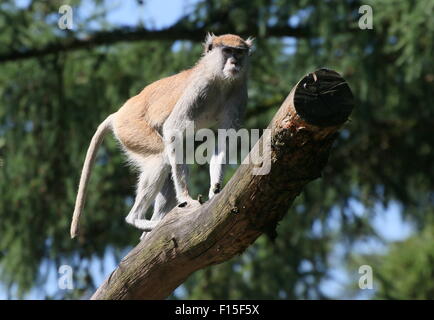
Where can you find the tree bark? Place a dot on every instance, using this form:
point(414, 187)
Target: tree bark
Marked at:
point(189, 239)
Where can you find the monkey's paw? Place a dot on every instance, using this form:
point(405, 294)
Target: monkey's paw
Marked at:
point(214, 190)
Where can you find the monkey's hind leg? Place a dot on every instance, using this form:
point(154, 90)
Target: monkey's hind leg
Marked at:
point(153, 174)
point(164, 202)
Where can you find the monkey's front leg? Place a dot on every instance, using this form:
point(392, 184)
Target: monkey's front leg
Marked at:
point(218, 159)
point(216, 167)
point(179, 170)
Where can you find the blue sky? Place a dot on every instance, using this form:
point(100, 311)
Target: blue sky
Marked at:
point(158, 14)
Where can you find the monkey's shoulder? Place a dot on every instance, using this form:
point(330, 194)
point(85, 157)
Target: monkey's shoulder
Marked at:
point(177, 82)
point(155, 102)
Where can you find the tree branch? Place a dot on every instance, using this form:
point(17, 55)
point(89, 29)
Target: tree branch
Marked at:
point(128, 34)
point(186, 240)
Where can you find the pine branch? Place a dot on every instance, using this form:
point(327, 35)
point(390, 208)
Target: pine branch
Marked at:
point(128, 34)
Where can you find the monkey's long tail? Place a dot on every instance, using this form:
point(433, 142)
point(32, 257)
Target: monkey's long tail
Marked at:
point(97, 138)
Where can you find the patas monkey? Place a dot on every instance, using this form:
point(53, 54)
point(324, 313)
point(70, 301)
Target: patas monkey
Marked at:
point(211, 94)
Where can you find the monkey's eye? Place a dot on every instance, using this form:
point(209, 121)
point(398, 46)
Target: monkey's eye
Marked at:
point(227, 51)
point(210, 47)
point(239, 52)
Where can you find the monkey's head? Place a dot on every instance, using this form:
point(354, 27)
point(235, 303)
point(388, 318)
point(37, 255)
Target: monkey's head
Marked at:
point(230, 54)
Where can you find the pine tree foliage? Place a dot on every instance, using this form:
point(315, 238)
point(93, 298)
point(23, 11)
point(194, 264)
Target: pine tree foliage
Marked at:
point(51, 104)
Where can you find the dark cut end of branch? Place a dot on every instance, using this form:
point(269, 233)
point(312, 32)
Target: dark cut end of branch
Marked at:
point(189, 239)
point(323, 98)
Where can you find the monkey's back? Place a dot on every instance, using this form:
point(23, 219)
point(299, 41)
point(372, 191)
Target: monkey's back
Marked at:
point(138, 122)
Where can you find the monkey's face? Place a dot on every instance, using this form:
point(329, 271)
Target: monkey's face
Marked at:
point(227, 55)
point(234, 61)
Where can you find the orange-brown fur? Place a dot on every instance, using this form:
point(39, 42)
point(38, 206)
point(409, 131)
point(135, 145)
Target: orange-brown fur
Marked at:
point(137, 122)
point(230, 40)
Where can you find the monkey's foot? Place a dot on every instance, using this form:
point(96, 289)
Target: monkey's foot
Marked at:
point(214, 190)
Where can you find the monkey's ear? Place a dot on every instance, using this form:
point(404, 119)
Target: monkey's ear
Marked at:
point(208, 42)
point(249, 42)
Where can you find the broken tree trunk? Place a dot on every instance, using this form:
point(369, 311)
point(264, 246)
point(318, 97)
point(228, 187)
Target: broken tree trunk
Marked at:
point(189, 239)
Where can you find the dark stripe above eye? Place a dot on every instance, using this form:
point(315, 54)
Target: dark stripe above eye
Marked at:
point(233, 50)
